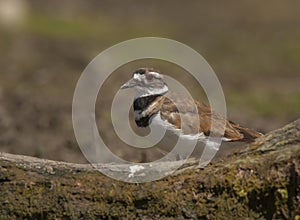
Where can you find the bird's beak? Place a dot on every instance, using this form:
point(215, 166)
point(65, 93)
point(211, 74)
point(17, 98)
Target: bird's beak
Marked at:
point(131, 83)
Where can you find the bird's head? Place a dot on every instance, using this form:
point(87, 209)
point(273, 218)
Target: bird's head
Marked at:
point(147, 81)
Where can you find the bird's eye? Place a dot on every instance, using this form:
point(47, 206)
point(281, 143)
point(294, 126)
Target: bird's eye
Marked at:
point(149, 77)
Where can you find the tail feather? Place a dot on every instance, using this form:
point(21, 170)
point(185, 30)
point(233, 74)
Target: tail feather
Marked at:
point(235, 132)
point(248, 134)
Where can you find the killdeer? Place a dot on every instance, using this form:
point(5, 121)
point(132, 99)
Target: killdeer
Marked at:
point(154, 103)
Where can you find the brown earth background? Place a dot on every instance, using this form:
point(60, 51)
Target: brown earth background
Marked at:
point(254, 48)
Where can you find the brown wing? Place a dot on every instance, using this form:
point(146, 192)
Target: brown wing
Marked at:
point(181, 113)
point(174, 109)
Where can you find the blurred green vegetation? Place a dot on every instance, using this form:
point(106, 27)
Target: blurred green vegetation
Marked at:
point(268, 105)
point(51, 26)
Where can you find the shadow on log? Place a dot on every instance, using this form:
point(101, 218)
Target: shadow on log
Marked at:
point(261, 182)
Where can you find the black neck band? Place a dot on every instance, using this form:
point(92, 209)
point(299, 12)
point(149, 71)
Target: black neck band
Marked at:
point(142, 103)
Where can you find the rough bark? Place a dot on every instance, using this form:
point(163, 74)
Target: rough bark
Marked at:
point(261, 182)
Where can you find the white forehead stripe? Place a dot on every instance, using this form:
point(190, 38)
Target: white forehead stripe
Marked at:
point(155, 74)
point(138, 77)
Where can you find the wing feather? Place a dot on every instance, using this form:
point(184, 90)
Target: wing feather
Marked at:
point(198, 117)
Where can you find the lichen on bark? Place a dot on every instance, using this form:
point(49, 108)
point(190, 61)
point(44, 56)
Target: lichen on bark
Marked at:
point(261, 182)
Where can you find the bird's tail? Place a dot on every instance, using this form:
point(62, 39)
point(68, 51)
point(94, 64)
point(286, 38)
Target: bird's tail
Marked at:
point(249, 135)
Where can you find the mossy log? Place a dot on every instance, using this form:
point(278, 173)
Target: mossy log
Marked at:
point(261, 182)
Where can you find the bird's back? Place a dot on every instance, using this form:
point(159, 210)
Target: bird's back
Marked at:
point(194, 117)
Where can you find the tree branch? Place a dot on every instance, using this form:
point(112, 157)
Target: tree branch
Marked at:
point(260, 182)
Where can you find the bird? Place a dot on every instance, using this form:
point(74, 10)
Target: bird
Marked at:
point(155, 104)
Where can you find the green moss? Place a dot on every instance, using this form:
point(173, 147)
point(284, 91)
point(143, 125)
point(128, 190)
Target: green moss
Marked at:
point(282, 196)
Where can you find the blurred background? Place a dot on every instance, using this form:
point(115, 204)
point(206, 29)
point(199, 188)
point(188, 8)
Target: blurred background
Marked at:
point(253, 46)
